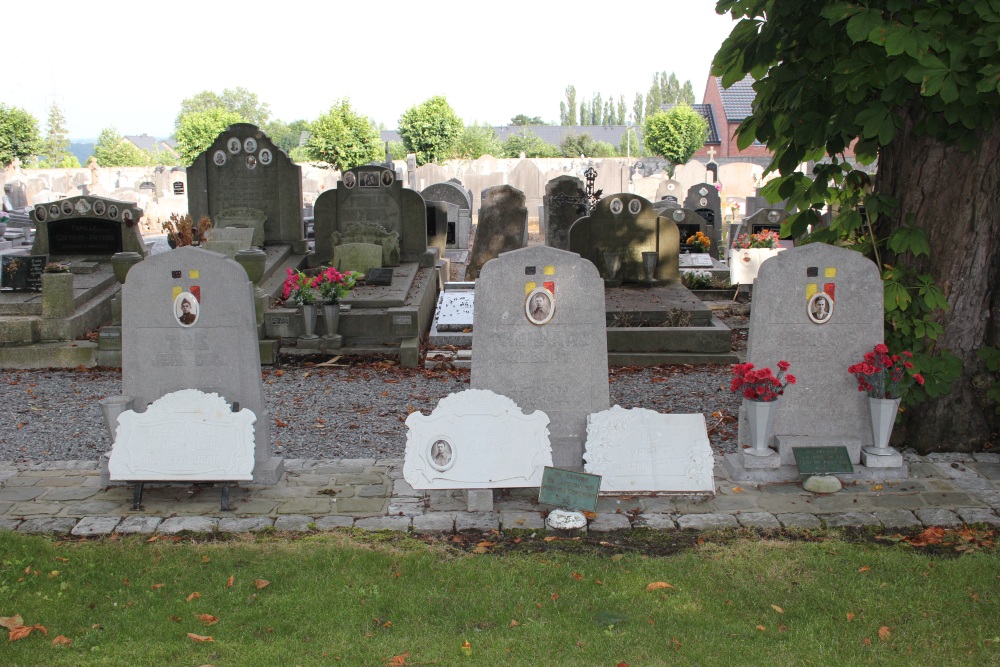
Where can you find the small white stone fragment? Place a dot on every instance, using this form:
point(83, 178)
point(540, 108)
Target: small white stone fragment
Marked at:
point(566, 520)
point(822, 484)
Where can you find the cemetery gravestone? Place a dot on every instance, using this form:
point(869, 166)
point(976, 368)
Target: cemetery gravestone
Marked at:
point(502, 227)
point(704, 200)
point(669, 190)
point(540, 340)
point(188, 322)
point(244, 169)
point(825, 407)
point(454, 193)
point(87, 225)
point(765, 219)
point(565, 202)
point(626, 226)
point(370, 201)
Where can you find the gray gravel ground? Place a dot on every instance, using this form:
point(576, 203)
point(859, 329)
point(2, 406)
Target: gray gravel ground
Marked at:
point(354, 411)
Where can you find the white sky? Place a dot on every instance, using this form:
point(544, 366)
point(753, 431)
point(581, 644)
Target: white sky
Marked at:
point(129, 64)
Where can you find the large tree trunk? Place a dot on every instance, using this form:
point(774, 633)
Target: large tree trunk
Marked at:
point(955, 197)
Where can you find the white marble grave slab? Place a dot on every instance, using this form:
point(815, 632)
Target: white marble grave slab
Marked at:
point(643, 450)
point(186, 435)
point(454, 310)
point(476, 439)
point(745, 263)
point(695, 260)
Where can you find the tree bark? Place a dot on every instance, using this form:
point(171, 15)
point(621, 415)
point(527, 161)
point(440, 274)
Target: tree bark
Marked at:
point(954, 196)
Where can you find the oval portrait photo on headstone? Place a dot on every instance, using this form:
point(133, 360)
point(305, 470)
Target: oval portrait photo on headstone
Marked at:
point(820, 308)
point(539, 306)
point(265, 156)
point(186, 309)
point(234, 145)
point(441, 455)
point(616, 206)
point(220, 157)
point(41, 214)
point(349, 179)
point(250, 145)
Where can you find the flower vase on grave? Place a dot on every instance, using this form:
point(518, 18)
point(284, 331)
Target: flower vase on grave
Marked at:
point(760, 419)
point(649, 261)
point(331, 318)
point(883, 415)
point(309, 320)
point(612, 265)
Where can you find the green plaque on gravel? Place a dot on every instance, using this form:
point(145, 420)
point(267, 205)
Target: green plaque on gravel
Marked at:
point(822, 460)
point(569, 490)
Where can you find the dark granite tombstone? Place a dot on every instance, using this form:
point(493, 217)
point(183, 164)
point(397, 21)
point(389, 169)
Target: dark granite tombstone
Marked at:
point(766, 218)
point(371, 197)
point(87, 225)
point(704, 200)
point(244, 169)
point(503, 226)
point(565, 202)
point(625, 226)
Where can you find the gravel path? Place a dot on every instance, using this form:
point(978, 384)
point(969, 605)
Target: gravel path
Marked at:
point(353, 411)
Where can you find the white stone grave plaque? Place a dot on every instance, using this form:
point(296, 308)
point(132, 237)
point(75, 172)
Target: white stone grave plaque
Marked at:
point(186, 435)
point(454, 310)
point(691, 260)
point(745, 263)
point(476, 439)
point(643, 450)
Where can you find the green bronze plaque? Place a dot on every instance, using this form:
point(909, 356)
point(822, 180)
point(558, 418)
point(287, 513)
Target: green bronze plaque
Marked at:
point(822, 460)
point(569, 490)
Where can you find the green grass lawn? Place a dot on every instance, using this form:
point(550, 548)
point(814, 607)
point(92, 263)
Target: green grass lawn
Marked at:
point(378, 599)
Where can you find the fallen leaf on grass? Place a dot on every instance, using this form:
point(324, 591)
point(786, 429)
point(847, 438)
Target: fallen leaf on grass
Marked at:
point(466, 648)
point(782, 628)
point(850, 616)
point(229, 582)
point(864, 569)
point(62, 560)
point(777, 609)
point(157, 586)
point(22, 631)
point(657, 585)
point(577, 576)
point(199, 638)
point(208, 619)
point(62, 641)
point(193, 596)
point(866, 641)
point(261, 583)
point(883, 633)
point(513, 623)
point(398, 660)
point(762, 628)
point(11, 622)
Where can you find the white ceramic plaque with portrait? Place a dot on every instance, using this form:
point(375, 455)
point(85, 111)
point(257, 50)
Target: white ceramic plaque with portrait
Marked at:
point(476, 439)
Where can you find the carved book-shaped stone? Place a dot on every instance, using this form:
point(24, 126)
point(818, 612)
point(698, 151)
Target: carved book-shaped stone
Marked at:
point(476, 439)
point(186, 435)
point(643, 450)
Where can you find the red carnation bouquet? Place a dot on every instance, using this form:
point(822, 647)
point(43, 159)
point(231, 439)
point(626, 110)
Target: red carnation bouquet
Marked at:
point(761, 384)
point(884, 375)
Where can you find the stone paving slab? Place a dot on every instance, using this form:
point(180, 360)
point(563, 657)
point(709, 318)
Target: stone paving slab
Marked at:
point(897, 519)
point(297, 522)
point(851, 519)
point(938, 517)
point(655, 522)
point(973, 515)
point(43, 526)
point(9, 524)
point(712, 521)
point(400, 523)
point(606, 523)
point(141, 525)
point(90, 526)
point(763, 520)
point(245, 525)
point(478, 521)
point(436, 522)
point(798, 520)
point(519, 520)
point(190, 524)
point(334, 521)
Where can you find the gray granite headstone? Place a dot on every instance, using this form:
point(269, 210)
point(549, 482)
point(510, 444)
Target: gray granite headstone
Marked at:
point(357, 257)
point(628, 225)
point(688, 224)
point(553, 358)
point(86, 225)
point(243, 168)
point(704, 200)
point(565, 202)
point(765, 218)
point(502, 227)
point(371, 195)
point(825, 406)
point(212, 348)
point(454, 193)
point(671, 191)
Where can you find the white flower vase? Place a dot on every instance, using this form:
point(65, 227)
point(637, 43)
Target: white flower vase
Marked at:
point(760, 418)
point(883, 415)
point(309, 320)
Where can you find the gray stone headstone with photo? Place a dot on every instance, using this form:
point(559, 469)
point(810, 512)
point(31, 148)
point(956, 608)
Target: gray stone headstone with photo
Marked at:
point(765, 218)
point(671, 191)
point(244, 169)
point(825, 407)
point(565, 202)
point(188, 322)
point(627, 226)
point(86, 225)
point(540, 340)
point(502, 227)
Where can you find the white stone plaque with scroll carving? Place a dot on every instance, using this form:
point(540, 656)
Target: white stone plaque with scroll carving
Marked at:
point(642, 450)
point(476, 439)
point(186, 435)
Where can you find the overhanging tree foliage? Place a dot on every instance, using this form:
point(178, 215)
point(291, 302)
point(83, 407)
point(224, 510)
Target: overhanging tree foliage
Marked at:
point(238, 100)
point(430, 130)
point(917, 86)
point(343, 138)
point(199, 129)
point(19, 136)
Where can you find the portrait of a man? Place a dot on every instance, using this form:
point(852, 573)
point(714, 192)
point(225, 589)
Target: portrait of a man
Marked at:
point(186, 309)
point(349, 179)
point(820, 308)
point(539, 306)
point(441, 454)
